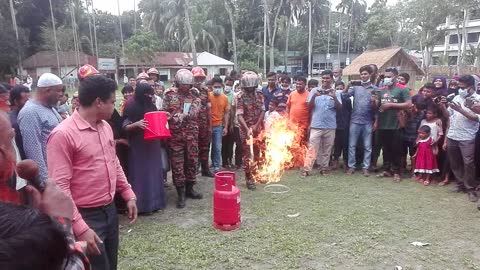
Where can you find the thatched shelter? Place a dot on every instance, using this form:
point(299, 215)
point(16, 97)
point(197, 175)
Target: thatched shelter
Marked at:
point(384, 58)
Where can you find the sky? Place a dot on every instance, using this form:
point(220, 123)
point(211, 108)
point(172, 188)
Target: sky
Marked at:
point(111, 5)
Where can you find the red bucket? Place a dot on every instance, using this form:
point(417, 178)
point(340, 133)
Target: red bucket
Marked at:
point(157, 126)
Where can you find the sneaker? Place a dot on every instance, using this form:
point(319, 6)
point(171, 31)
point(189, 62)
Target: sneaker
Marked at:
point(303, 174)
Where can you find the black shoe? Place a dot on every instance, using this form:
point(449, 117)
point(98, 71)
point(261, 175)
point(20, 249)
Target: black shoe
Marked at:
point(251, 186)
point(206, 171)
point(191, 193)
point(181, 197)
point(472, 196)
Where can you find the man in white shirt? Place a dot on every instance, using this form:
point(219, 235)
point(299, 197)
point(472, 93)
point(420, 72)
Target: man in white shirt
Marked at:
point(460, 143)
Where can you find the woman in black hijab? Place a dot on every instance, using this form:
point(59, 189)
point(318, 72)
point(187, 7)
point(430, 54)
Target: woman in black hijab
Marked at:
point(145, 159)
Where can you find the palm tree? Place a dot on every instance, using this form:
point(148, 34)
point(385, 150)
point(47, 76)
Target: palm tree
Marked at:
point(272, 31)
point(230, 7)
point(292, 12)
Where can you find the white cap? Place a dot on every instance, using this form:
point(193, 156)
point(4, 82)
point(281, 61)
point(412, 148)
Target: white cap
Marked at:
point(49, 79)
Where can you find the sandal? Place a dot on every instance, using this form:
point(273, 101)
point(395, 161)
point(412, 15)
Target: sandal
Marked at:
point(397, 178)
point(324, 173)
point(426, 182)
point(303, 174)
point(384, 174)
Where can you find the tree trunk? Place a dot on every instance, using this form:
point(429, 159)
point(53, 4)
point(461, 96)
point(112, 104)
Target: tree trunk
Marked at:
point(272, 38)
point(190, 33)
point(349, 32)
point(234, 39)
point(286, 40)
point(340, 35)
point(465, 34)
point(459, 49)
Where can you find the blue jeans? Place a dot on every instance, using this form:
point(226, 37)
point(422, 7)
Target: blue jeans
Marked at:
point(217, 134)
point(357, 131)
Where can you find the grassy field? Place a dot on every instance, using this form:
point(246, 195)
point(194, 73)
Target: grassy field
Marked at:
point(344, 222)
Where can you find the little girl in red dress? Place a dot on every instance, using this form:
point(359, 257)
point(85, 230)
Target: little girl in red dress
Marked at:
point(426, 160)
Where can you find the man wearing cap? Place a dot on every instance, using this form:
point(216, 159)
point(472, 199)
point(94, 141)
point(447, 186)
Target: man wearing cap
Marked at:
point(38, 118)
point(204, 121)
point(183, 105)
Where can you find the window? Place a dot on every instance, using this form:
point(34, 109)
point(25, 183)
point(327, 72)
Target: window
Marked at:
point(454, 39)
point(435, 60)
point(473, 37)
point(223, 72)
point(452, 60)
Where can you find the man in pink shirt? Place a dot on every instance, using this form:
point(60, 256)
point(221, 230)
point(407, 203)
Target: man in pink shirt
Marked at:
point(81, 160)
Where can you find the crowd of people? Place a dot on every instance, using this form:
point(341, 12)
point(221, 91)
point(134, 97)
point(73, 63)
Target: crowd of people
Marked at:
point(95, 155)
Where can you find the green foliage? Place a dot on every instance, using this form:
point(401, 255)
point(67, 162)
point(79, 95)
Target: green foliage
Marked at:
point(142, 46)
point(380, 26)
point(249, 65)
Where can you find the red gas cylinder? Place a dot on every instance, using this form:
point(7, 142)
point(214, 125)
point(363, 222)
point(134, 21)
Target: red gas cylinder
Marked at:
point(157, 126)
point(226, 202)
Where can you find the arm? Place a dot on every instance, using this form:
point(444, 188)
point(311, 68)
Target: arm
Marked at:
point(226, 118)
point(467, 113)
point(311, 99)
point(60, 154)
point(337, 100)
point(31, 131)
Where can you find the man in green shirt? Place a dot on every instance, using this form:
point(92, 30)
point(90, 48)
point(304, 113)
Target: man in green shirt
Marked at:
point(391, 99)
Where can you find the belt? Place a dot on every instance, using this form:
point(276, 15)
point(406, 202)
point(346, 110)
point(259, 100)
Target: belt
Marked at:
point(91, 209)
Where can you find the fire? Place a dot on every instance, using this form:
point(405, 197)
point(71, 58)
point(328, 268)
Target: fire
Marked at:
point(281, 147)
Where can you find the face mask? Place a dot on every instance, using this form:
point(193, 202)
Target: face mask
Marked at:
point(388, 81)
point(285, 88)
point(217, 91)
point(366, 82)
point(227, 89)
point(462, 92)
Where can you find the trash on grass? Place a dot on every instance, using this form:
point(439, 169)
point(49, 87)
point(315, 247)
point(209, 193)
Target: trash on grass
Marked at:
point(420, 244)
point(129, 231)
point(294, 215)
point(398, 267)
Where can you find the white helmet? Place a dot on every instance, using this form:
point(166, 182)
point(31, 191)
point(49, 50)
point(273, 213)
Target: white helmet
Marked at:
point(249, 79)
point(184, 76)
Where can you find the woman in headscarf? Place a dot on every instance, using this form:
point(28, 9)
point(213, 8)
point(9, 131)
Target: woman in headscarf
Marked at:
point(145, 159)
point(441, 89)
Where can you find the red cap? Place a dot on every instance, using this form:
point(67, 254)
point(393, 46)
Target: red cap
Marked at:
point(198, 72)
point(86, 70)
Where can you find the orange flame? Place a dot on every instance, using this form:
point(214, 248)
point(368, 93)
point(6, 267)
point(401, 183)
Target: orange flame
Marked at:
point(283, 148)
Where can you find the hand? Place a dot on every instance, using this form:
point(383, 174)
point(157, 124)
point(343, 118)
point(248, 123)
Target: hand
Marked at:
point(225, 131)
point(92, 239)
point(455, 106)
point(444, 147)
point(142, 124)
point(132, 210)
point(375, 125)
point(250, 132)
point(385, 106)
point(231, 129)
point(53, 201)
point(332, 94)
point(122, 141)
point(169, 115)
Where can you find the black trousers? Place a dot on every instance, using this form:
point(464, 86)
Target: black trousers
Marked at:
point(227, 148)
point(238, 147)
point(408, 148)
point(376, 148)
point(104, 222)
point(340, 147)
point(390, 141)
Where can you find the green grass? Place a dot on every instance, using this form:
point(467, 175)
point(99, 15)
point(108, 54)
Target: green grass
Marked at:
point(344, 223)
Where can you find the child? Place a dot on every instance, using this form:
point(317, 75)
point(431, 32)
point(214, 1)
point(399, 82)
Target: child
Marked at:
point(425, 158)
point(341, 133)
point(434, 122)
point(312, 83)
point(409, 121)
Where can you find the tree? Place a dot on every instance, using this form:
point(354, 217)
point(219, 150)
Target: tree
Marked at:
point(272, 13)
point(379, 30)
point(230, 7)
point(142, 46)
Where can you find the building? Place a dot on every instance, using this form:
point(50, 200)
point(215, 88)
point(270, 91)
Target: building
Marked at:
point(325, 61)
point(46, 61)
point(384, 58)
point(294, 63)
point(168, 63)
point(213, 65)
point(452, 40)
